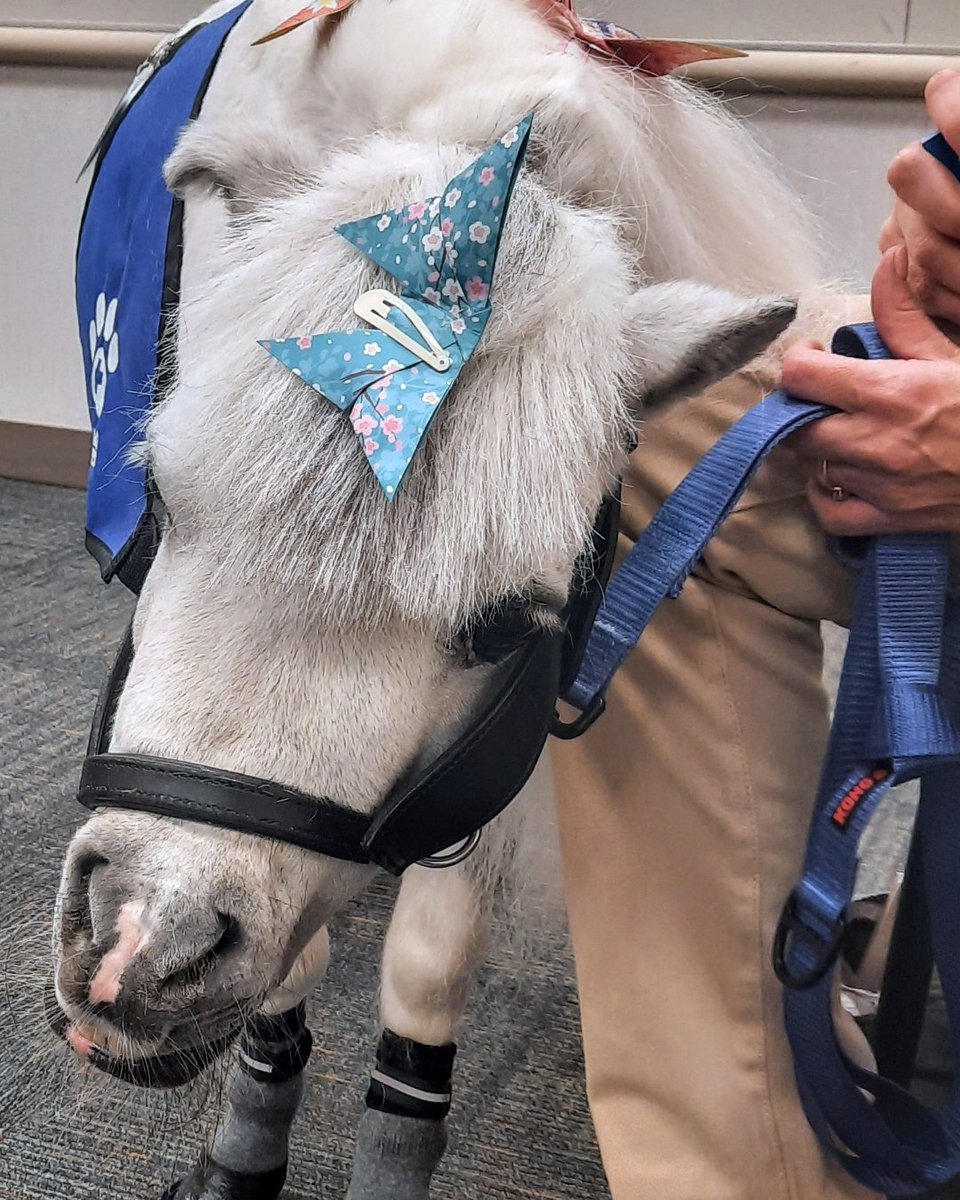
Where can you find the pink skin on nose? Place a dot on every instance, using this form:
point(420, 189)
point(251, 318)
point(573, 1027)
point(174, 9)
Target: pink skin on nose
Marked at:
point(105, 985)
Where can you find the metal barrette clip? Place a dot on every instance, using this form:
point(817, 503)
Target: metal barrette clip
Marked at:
point(375, 306)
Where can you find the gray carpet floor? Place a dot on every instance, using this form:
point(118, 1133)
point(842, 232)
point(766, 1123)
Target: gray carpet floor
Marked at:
point(520, 1124)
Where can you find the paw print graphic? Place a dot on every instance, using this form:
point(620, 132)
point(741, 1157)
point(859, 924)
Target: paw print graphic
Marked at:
point(104, 358)
point(104, 349)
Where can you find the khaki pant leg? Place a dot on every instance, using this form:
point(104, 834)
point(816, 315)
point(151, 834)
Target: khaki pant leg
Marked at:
point(683, 815)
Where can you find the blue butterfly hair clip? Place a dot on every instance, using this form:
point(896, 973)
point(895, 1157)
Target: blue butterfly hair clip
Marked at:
point(392, 375)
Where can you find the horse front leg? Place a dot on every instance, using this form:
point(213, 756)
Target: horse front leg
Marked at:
point(247, 1156)
point(435, 943)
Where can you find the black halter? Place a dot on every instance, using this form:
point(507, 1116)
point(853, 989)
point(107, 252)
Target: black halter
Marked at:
point(442, 805)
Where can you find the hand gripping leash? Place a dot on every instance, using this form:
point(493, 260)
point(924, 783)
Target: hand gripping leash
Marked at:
point(897, 719)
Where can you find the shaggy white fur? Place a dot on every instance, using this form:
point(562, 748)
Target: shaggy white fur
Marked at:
point(295, 624)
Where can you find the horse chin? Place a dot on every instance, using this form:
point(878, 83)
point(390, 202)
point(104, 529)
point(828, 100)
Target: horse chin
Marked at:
point(149, 1068)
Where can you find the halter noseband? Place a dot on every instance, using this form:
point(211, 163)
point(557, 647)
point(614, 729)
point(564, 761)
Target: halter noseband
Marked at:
point(442, 805)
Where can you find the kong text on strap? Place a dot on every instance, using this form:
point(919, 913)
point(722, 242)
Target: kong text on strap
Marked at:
point(897, 719)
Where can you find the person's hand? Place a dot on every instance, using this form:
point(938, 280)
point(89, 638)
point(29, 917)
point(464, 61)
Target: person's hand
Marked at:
point(926, 215)
point(894, 450)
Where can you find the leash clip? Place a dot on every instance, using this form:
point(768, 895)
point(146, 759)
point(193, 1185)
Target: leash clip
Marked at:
point(567, 731)
point(826, 948)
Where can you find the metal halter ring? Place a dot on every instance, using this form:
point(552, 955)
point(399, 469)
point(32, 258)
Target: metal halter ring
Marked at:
point(837, 493)
point(455, 855)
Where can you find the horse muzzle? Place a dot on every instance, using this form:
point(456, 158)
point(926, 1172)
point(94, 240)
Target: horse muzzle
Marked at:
point(158, 1069)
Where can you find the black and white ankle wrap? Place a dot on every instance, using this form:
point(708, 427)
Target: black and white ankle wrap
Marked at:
point(274, 1049)
point(411, 1079)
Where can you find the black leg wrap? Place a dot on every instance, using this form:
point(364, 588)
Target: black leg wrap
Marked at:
point(247, 1159)
point(209, 1181)
point(274, 1049)
point(411, 1079)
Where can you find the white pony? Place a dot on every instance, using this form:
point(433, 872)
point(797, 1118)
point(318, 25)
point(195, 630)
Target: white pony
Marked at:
point(295, 625)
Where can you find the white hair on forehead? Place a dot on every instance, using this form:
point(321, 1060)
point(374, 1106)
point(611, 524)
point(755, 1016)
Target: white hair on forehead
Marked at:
point(706, 203)
point(626, 182)
point(502, 493)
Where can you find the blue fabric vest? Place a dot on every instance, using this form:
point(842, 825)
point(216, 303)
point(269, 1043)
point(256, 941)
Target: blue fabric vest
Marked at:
point(128, 287)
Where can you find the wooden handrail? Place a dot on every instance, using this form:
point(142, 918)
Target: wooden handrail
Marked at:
point(794, 72)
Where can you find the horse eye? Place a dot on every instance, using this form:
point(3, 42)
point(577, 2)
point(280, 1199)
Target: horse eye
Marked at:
point(496, 631)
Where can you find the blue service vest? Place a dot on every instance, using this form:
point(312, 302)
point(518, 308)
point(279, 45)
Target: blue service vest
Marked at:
point(128, 289)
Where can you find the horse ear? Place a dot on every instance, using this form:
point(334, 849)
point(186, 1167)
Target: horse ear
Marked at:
point(245, 162)
point(686, 336)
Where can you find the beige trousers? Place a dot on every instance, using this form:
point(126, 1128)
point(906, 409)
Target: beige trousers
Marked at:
point(683, 816)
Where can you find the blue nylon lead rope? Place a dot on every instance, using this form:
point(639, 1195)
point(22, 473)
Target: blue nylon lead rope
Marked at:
point(668, 549)
point(897, 718)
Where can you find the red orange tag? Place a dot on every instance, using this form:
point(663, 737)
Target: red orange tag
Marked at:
point(650, 56)
point(320, 8)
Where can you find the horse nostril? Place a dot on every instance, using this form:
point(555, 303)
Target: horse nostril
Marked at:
point(192, 970)
point(77, 912)
point(230, 935)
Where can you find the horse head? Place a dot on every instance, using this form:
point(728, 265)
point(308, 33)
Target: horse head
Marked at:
point(297, 624)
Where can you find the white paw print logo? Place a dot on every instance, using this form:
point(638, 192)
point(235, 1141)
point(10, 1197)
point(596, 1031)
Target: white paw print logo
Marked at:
point(104, 349)
point(104, 356)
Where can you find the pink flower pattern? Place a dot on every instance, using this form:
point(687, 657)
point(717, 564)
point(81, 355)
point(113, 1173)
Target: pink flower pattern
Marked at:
point(477, 290)
point(364, 424)
point(441, 251)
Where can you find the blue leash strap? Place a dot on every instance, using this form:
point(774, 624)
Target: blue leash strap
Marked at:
point(897, 718)
point(668, 549)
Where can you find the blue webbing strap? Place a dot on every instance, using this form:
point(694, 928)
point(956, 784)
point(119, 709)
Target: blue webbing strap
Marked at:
point(897, 718)
point(668, 549)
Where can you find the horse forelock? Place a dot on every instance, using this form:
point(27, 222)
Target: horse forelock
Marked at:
point(501, 496)
point(624, 182)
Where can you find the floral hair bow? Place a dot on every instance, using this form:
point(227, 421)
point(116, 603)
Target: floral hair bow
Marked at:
point(393, 375)
point(650, 56)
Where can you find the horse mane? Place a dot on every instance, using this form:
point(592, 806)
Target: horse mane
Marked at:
point(629, 181)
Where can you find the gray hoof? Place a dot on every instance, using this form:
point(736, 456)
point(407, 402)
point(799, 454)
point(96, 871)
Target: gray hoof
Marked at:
point(209, 1181)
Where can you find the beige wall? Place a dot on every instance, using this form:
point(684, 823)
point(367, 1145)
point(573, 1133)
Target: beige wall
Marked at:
point(896, 22)
point(835, 151)
point(880, 22)
point(104, 14)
